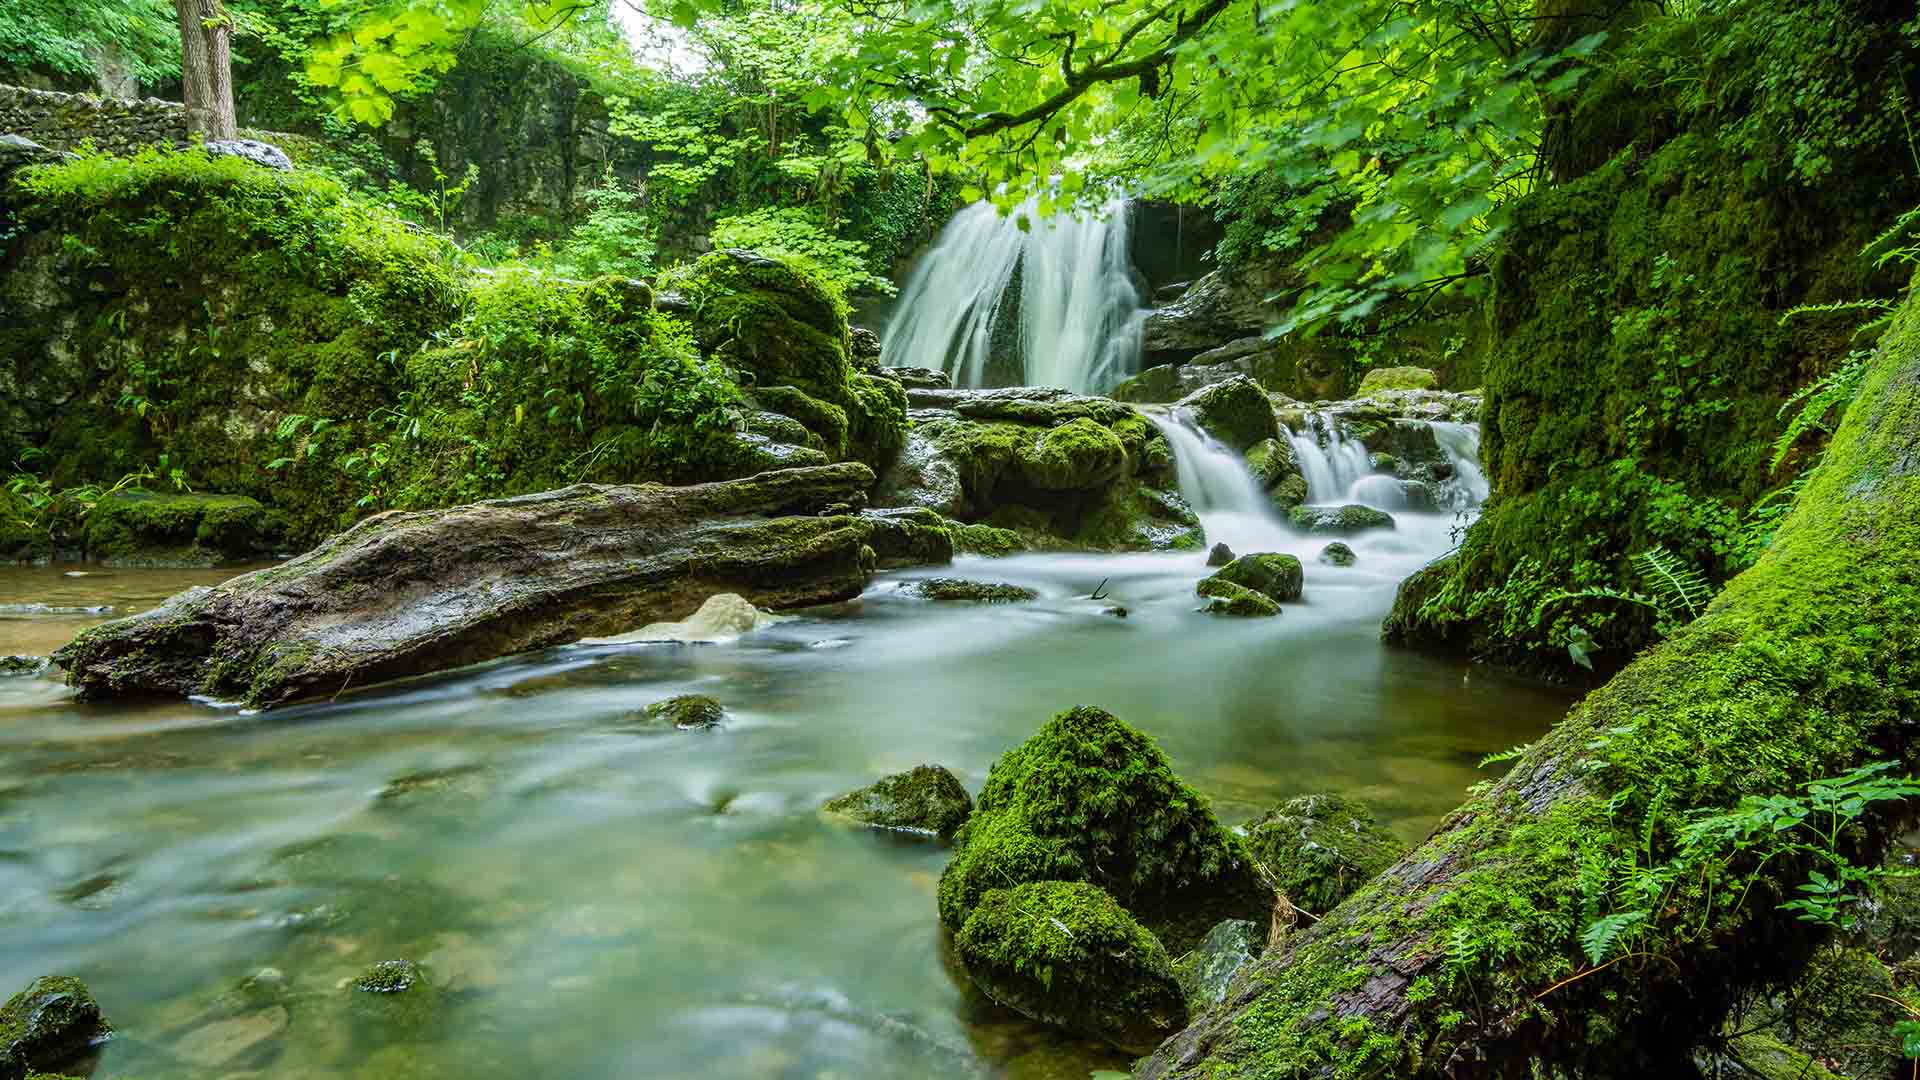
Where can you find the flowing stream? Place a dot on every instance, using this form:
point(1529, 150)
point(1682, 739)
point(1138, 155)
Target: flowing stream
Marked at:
point(597, 902)
point(1053, 300)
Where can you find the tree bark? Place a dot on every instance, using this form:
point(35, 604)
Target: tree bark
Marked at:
point(206, 68)
point(1465, 958)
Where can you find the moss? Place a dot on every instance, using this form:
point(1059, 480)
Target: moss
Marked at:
point(1134, 517)
point(1226, 598)
point(827, 421)
point(985, 540)
point(688, 712)
point(1320, 848)
point(926, 799)
point(137, 528)
point(48, 1024)
point(1339, 520)
point(1275, 468)
point(1075, 456)
point(1396, 378)
point(1237, 412)
point(1277, 577)
point(1338, 554)
point(1089, 798)
point(961, 589)
point(396, 1000)
point(1066, 954)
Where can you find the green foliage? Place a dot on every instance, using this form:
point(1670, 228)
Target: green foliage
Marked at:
point(617, 237)
point(796, 233)
point(63, 37)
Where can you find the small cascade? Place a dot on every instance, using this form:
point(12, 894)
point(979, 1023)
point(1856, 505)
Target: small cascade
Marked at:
point(1334, 465)
point(1216, 484)
point(1055, 295)
point(1461, 443)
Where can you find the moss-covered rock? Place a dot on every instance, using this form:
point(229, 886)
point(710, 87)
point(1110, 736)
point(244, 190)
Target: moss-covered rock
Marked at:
point(1338, 554)
point(1339, 520)
point(988, 592)
point(47, 1025)
point(1219, 555)
point(1088, 798)
point(1319, 848)
point(688, 712)
point(1075, 456)
point(1277, 577)
point(1206, 971)
point(926, 800)
point(396, 1000)
point(1276, 469)
point(1226, 598)
point(985, 540)
point(1064, 953)
point(1237, 412)
point(141, 529)
point(1396, 378)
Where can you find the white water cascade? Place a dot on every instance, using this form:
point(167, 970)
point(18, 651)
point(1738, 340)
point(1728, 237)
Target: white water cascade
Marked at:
point(1080, 309)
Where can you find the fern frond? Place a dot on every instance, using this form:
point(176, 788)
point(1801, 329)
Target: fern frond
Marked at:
point(1676, 585)
point(1512, 753)
point(1838, 305)
point(1816, 400)
point(1604, 933)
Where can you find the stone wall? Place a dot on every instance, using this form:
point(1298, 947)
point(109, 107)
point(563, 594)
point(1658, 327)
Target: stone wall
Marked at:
point(64, 121)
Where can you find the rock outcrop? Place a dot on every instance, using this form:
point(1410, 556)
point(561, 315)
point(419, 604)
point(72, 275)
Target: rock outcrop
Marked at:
point(406, 593)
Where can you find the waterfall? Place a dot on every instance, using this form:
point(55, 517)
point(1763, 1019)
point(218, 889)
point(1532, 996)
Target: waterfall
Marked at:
point(1461, 444)
point(1215, 482)
point(1079, 310)
point(1333, 464)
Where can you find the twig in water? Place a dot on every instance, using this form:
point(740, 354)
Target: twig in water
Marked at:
point(1099, 591)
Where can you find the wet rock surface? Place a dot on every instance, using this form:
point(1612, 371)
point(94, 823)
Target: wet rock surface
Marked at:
point(1207, 971)
point(688, 712)
point(47, 1025)
point(1339, 520)
point(926, 800)
point(986, 592)
point(1320, 848)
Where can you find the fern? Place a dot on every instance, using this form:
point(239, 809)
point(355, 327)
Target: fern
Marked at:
point(1833, 391)
point(1676, 586)
point(1604, 933)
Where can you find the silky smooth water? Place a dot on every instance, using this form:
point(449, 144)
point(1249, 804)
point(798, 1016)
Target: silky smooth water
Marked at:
point(603, 902)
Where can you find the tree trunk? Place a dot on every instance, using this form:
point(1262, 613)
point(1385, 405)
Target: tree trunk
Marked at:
point(1465, 958)
point(206, 68)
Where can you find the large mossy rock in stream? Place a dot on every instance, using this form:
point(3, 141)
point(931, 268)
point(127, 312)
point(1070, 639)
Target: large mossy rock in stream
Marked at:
point(1226, 598)
point(1039, 468)
point(1065, 954)
point(139, 529)
point(1640, 356)
point(1319, 848)
point(47, 1025)
point(1236, 412)
point(406, 593)
point(1277, 577)
point(1276, 468)
point(271, 335)
point(1088, 798)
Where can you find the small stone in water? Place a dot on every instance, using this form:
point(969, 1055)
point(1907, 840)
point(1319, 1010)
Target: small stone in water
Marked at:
point(1118, 611)
point(687, 712)
point(389, 977)
point(1221, 555)
point(1337, 554)
point(961, 589)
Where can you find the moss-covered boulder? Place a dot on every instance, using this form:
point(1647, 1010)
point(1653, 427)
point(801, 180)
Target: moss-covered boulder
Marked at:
point(1219, 555)
point(1065, 954)
point(1226, 598)
point(926, 800)
point(47, 1025)
point(1075, 456)
point(1237, 412)
point(141, 529)
point(1088, 798)
point(1338, 554)
point(1206, 971)
point(1276, 468)
point(1275, 576)
point(688, 712)
point(984, 592)
point(1396, 378)
point(1319, 848)
point(396, 1000)
point(1346, 520)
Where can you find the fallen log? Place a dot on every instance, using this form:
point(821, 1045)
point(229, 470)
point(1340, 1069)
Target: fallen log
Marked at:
point(407, 593)
point(1465, 958)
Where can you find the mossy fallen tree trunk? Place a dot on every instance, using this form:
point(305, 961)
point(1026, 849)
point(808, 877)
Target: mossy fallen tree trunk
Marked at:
point(1465, 958)
point(406, 593)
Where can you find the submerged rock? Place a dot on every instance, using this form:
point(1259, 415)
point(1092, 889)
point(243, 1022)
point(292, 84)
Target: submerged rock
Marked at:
point(13, 666)
point(989, 592)
point(1226, 598)
point(1339, 520)
point(482, 581)
point(1237, 412)
point(1397, 378)
point(396, 999)
point(47, 1025)
point(1064, 953)
point(1338, 554)
point(1277, 577)
point(1319, 848)
point(721, 617)
point(1221, 555)
point(688, 712)
point(927, 800)
point(1088, 798)
point(1206, 972)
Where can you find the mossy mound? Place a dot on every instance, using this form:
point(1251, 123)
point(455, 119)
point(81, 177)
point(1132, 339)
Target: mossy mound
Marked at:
point(139, 529)
point(1226, 598)
point(1339, 520)
point(1066, 954)
point(1277, 577)
point(1319, 848)
point(927, 800)
point(1276, 469)
point(985, 592)
point(985, 540)
point(1237, 412)
point(396, 1000)
point(1338, 554)
point(1088, 798)
point(47, 1025)
point(1075, 456)
point(688, 712)
point(1396, 378)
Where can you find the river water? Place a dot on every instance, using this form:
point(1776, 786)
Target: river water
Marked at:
point(595, 901)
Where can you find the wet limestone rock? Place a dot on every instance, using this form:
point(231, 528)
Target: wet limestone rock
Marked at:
point(1065, 954)
point(1277, 577)
point(1220, 555)
point(926, 800)
point(1076, 456)
point(47, 1025)
point(1339, 520)
point(406, 593)
point(1338, 554)
point(1319, 848)
point(1276, 468)
point(688, 712)
point(1226, 598)
point(985, 592)
point(142, 529)
point(1237, 412)
point(720, 617)
point(1206, 972)
point(1397, 378)
point(1088, 798)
